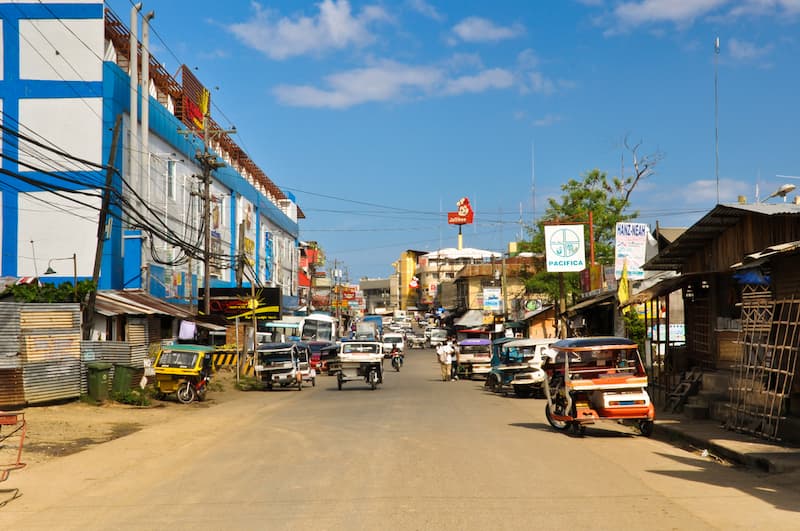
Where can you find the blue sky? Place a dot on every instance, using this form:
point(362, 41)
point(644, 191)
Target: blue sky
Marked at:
point(380, 115)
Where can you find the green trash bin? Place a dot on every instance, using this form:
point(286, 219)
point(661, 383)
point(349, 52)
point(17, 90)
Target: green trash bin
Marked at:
point(123, 376)
point(98, 380)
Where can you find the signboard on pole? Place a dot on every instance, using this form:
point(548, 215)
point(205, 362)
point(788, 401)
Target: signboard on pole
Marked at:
point(565, 248)
point(464, 215)
point(492, 299)
point(630, 245)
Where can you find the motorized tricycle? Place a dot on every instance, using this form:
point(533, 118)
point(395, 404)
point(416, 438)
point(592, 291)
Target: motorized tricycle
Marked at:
point(359, 360)
point(474, 357)
point(278, 364)
point(597, 378)
point(517, 365)
point(307, 371)
point(184, 369)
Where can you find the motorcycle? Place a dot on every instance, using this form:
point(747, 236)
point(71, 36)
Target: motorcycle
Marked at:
point(397, 360)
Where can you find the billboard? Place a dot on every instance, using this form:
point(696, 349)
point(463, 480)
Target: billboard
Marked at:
point(464, 215)
point(233, 302)
point(565, 250)
point(630, 244)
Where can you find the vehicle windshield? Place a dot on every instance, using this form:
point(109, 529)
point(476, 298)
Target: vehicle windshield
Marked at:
point(359, 348)
point(177, 360)
point(276, 355)
point(474, 349)
point(313, 329)
point(393, 339)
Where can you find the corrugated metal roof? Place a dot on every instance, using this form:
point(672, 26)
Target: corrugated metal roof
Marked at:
point(136, 302)
point(714, 223)
point(755, 259)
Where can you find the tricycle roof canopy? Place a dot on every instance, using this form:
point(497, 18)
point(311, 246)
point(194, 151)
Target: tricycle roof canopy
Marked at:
point(591, 343)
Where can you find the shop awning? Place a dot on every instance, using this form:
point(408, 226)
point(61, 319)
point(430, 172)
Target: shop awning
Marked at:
point(603, 298)
point(663, 288)
point(470, 319)
point(136, 302)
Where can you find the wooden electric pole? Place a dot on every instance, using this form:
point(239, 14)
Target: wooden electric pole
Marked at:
point(101, 232)
point(208, 162)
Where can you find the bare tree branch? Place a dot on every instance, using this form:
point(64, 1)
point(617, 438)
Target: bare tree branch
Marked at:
point(643, 166)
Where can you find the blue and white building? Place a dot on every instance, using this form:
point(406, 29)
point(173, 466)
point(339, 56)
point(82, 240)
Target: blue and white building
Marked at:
point(65, 78)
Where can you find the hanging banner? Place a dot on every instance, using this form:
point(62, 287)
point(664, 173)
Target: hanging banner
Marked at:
point(565, 249)
point(630, 245)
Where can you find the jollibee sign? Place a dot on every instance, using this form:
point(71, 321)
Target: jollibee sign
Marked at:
point(464, 215)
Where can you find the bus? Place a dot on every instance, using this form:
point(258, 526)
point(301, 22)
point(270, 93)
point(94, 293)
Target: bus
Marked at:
point(319, 327)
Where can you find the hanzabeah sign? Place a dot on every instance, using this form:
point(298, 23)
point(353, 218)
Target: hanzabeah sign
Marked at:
point(464, 215)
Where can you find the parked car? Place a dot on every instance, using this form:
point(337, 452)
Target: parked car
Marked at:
point(391, 340)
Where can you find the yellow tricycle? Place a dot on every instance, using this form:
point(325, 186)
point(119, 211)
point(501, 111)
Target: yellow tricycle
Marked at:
point(185, 370)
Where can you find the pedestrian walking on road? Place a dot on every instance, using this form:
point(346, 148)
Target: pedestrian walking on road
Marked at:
point(445, 361)
point(456, 358)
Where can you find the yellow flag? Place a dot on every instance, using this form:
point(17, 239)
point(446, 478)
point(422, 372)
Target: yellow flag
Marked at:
point(623, 290)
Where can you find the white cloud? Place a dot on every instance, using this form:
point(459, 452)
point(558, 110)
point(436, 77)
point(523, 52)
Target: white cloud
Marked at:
point(532, 79)
point(333, 27)
point(424, 8)
point(384, 82)
point(460, 61)
point(704, 191)
point(390, 81)
point(476, 29)
point(653, 11)
point(548, 120)
point(495, 78)
point(766, 7)
point(746, 51)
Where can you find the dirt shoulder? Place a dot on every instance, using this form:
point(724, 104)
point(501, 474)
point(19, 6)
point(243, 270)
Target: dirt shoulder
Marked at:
point(58, 430)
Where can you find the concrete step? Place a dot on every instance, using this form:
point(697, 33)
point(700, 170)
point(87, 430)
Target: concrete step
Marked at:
point(695, 412)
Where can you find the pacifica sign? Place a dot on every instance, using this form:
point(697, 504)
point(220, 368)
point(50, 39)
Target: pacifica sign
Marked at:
point(565, 249)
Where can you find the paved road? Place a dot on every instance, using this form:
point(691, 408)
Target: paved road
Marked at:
point(417, 453)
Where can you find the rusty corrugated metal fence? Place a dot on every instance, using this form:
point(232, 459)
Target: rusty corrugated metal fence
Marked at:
point(40, 353)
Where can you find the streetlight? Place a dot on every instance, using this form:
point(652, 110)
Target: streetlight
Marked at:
point(782, 191)
point(51, 271)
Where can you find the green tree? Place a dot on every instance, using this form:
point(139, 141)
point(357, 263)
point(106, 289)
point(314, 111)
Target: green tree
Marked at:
point(606, 200)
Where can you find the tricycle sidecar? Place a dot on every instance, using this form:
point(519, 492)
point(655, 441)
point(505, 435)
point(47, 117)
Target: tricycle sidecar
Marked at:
point(597, 378)
point(183, 369)
point(360, 360)
point(278, 365)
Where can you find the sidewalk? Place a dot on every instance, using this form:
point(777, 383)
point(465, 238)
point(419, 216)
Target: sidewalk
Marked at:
point(729, 445)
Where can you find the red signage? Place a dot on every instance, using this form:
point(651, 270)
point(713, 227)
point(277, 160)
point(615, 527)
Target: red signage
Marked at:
point(463, 216)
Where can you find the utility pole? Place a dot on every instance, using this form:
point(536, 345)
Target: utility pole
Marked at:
point(101, 231)
point(208, 162)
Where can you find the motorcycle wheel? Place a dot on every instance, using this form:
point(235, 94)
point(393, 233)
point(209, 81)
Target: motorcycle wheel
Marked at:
point(186, 393)
point(646, 427)
point(201, 393)
point(396, 365)
point(373, 379)
point(559, 425)
point(339, 381)
point(313, 382)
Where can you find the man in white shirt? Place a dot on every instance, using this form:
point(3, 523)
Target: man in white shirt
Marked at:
point(445, 360)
